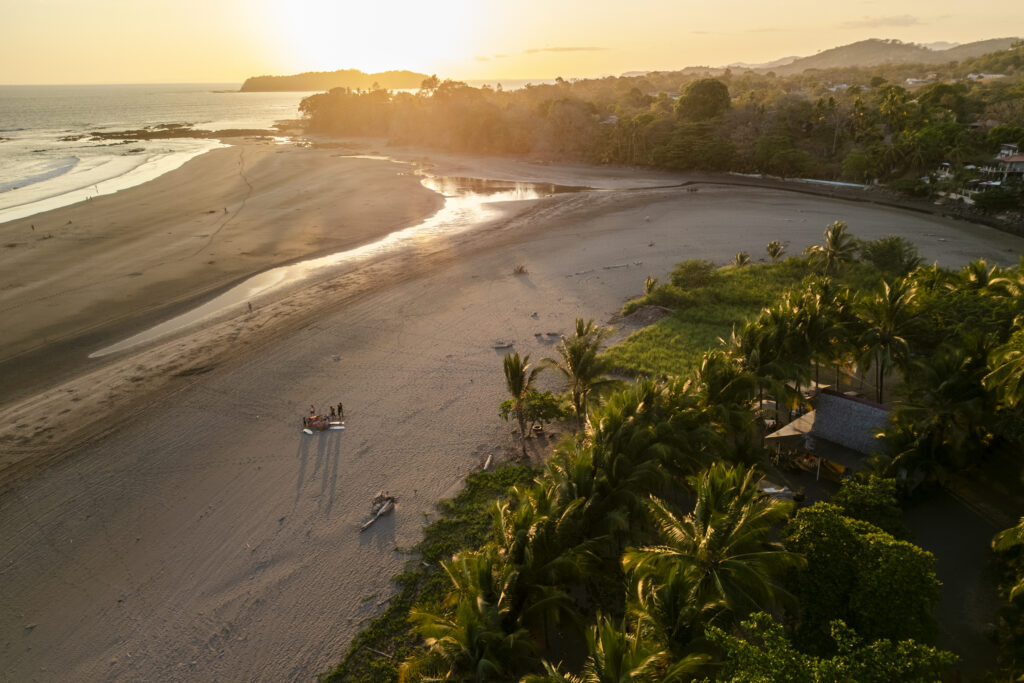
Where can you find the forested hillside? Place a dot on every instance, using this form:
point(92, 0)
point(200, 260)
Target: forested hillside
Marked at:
point(873, 52)
point(853, 124)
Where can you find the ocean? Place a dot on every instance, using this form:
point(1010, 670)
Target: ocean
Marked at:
point(45, 163)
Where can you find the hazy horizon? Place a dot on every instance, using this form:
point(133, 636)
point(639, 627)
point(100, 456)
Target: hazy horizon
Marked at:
point(107, 42)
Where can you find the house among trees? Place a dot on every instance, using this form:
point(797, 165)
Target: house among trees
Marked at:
point(835, 436)
point(1009, 166)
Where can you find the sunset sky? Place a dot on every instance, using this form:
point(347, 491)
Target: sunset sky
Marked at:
point(153, 41)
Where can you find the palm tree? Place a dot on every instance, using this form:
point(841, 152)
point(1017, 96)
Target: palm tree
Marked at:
point(978, 277)
point(943, 423)
point(887, 318)
point(582, 366)
point(716, 564)
point(618, 654)
point(1006, 377)
point(519, 377)
point(758, 350)
point(839, 248)
point(774, 340)
point(724, 391)
point(531, 532)
point(1005, 540)
point(471, 638)
point(930, 278)
point(775, 249)
point(830, 338)
point(741, 259)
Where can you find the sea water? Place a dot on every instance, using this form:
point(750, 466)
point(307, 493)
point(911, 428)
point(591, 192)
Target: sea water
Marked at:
point(47, 159)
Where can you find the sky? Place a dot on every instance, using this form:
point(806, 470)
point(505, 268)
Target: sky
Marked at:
point(226, 41)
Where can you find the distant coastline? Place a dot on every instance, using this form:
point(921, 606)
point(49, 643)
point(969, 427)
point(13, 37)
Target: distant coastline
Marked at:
point(326, 80)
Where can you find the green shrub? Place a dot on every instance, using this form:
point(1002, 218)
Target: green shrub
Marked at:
point(998, 200)
point(911, 186)
point(880, 586)
point(894, 255)
point(693, 274)
point(872, 499)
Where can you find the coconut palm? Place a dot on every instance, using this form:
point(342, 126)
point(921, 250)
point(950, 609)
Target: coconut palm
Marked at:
point(839, 249)
point(582, 366)
point(1005, 540)
point(886, 318)
point(472, 637)
point(532, 536)
point(716, 564)
point(821, 324)
point(830, 338)
point(640, 439)
point(979, 277)
point(1006, 376)
point(775, 249)
point(519, 378)
point(741, 259)
point(943, 423)
point(930, 278)
point(618, 654)
point(775, 341)
point(758, 348)
point(724, 391)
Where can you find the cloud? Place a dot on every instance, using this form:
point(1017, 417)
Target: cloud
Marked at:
point(482, 59)
point(881, 22)
point(563, 49)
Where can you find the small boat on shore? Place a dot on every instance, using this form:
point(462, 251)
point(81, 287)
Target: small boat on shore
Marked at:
point(321, 423)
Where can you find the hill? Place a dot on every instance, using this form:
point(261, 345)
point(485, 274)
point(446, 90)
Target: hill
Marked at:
point(874, 51)
point(326, 80)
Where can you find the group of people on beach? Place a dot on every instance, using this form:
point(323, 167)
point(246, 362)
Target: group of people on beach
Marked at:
point(319, 420)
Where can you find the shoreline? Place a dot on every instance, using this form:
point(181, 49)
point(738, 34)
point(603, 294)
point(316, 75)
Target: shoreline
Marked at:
point(152, 169)
point(65, 360)
point(173, 250)
point(177, 510)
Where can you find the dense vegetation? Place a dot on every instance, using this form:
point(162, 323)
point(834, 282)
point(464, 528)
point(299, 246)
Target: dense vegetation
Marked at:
point(857, 124)
point(644, 550)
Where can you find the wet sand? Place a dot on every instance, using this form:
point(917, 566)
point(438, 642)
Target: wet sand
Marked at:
point(78, 277)
point(176, 524)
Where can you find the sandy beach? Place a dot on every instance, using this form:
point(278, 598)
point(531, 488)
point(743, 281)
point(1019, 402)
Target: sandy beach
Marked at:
point(76, 277)
point(162, 517)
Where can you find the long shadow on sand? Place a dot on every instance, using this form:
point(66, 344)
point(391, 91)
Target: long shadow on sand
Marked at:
point(324, 450)
point(382, 534)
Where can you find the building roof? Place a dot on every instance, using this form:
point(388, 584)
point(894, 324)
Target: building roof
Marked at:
point(798, 427)
point(849, 421)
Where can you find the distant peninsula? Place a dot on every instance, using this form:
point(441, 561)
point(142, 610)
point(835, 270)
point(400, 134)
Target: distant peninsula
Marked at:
point(326, 80)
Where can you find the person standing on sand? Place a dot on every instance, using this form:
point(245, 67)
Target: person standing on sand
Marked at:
point(341, 411)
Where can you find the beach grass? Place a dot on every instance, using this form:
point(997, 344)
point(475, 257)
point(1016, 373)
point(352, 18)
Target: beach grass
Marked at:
point(708, 303)
point(464, 523)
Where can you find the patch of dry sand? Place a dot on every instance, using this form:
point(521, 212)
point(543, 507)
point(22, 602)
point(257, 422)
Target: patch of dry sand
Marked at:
point(203, 536)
